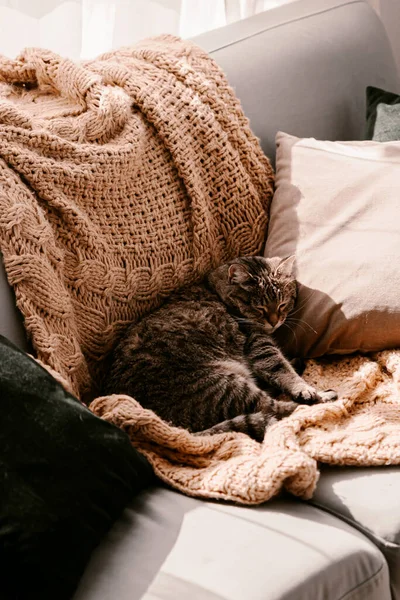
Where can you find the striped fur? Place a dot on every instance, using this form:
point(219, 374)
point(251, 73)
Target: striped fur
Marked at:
point(206, 360)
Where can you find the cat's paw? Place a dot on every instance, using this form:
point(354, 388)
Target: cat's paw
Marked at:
point(328, 396)
point(309, 395)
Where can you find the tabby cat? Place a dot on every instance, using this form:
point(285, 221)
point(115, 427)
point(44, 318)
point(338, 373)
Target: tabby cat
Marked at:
point(206, 360)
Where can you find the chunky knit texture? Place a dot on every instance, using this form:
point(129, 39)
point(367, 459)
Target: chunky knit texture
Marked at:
point(120, 180)
point(361, 429)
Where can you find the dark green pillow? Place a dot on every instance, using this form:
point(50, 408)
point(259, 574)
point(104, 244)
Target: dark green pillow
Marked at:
point(383, 115)
point(65, 477)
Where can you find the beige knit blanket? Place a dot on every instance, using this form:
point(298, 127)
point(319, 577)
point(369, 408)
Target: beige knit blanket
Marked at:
point(121, 179)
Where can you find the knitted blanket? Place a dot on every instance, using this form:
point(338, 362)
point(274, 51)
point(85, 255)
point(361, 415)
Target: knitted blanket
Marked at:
point(121, 179)
point(360, 429)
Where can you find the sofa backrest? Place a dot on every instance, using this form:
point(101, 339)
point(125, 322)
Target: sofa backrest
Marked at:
point(303, 67)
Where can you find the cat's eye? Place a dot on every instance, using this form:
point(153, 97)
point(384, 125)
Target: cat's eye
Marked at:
point(262, 309)
point(283, 306)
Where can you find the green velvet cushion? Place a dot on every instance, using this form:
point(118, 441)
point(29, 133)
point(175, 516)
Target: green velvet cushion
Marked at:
point(383, 115)
point(65, 476)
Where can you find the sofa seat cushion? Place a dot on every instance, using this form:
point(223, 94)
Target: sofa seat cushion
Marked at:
point(177, 548)
point(369, 500)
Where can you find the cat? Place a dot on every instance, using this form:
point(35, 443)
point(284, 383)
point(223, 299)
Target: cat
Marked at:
point(206, 360)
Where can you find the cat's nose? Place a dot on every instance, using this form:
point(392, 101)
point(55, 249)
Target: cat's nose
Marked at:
point(273, 319)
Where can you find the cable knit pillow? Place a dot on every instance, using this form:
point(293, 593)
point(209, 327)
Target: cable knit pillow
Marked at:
point(337, 208)
point(383, 115)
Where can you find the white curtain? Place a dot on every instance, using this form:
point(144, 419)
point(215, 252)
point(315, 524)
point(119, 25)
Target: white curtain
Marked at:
point(85, 28)
point(198, 16)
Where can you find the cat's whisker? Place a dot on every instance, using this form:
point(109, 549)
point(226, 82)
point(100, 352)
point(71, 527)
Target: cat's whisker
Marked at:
point(303, 302)
point(302, 321)
point(298, 309)
point(299, 325)
point(243, 320)
point(285, 324)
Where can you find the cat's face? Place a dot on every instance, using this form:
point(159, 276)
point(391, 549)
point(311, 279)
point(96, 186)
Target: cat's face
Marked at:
point(263, 290)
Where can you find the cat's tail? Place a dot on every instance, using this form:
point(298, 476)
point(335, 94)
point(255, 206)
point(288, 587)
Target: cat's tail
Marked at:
point(253, 424)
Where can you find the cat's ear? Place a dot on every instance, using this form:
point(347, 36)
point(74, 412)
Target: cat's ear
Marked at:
point(237, 273)
point(286, 265)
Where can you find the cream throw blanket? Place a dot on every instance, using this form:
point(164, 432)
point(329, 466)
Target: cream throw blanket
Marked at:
point(121, 179)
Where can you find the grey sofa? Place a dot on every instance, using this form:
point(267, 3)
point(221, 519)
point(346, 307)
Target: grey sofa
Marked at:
point(302, 68)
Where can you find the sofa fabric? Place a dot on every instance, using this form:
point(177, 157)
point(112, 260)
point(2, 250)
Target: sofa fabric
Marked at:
point(327, 78)
point(317, 91)
point(367, 499)
point(336, 209)
point(208, 551)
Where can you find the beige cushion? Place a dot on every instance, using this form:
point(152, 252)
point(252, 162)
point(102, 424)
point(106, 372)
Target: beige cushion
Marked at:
point(337, 207)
